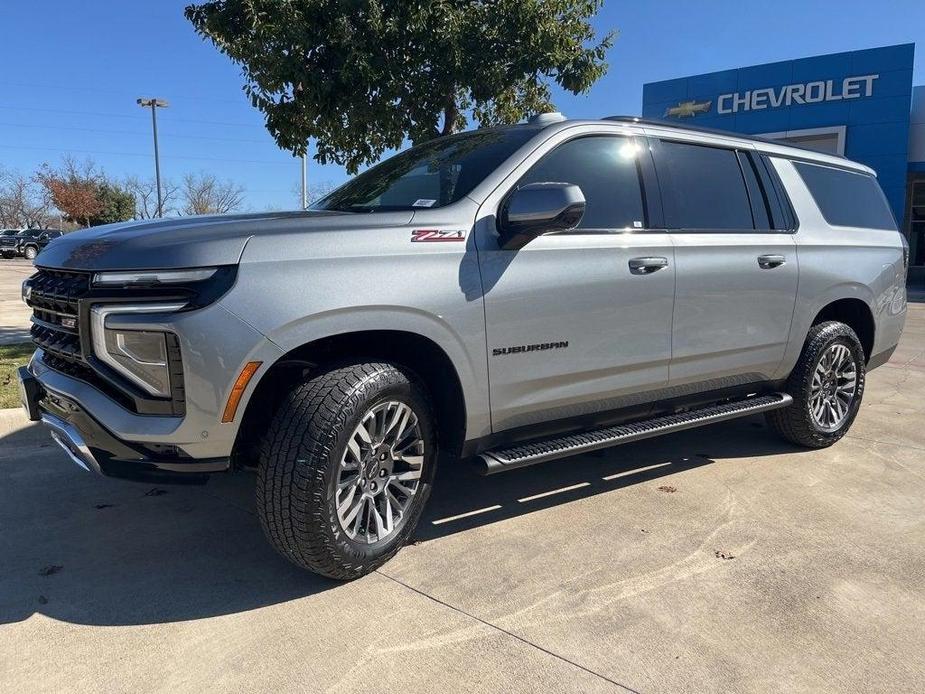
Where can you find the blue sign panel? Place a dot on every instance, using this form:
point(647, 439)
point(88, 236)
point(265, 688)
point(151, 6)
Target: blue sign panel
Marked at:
point(868, 93)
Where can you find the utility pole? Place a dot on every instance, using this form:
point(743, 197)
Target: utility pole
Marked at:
point(305, 181)
point(155, 104)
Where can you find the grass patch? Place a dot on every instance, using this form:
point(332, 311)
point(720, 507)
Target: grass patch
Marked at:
point(11, 358)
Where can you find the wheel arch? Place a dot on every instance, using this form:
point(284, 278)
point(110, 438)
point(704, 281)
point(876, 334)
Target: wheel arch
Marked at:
point(856, 314)
point(418, 354)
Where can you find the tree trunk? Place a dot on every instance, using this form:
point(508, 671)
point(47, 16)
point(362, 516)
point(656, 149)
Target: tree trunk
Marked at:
point(450, 111)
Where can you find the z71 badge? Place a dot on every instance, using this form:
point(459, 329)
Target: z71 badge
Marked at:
point(438, 235)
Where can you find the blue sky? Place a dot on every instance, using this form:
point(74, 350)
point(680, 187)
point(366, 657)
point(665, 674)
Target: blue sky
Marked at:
point(72, 72)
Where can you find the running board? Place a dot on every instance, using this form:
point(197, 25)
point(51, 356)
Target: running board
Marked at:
point(540, 451)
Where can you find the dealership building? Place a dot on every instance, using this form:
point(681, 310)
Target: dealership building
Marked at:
point(859, 104)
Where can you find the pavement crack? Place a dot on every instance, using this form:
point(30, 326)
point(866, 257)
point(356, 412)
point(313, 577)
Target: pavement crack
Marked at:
point(502, 630)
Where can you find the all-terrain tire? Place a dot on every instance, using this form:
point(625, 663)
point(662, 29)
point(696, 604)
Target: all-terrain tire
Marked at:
point(300, 459)
point(796, 423)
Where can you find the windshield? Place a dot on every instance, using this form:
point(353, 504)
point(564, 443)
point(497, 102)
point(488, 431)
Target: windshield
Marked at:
point(433, 174)
point(26, 232)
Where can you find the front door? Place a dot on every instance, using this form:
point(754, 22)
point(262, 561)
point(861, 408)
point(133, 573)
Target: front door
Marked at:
point(580, 322)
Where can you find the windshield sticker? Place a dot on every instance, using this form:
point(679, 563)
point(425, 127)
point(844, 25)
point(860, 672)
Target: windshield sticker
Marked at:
point(438, 235)
point(423, 202)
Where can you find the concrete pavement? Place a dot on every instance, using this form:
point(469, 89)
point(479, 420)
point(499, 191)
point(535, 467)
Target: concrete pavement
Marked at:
point(14, 315)
point(718, 559)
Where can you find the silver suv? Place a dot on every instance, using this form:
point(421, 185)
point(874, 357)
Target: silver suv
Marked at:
point(509, 295)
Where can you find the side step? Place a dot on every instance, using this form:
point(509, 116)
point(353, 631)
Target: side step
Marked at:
point(534, 452)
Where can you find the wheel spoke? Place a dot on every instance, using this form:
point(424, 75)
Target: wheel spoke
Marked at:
point(408, 476)
point(349, 513)
point(355, 451)
point(363, 432)
point(407, 491)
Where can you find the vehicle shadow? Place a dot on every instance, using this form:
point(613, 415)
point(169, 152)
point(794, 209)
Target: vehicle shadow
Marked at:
point(87, 550)
point(13, 335)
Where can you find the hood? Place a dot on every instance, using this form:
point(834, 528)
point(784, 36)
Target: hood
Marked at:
point(191, 241)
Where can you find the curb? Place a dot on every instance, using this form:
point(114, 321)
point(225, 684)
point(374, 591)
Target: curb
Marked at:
point(14, 424)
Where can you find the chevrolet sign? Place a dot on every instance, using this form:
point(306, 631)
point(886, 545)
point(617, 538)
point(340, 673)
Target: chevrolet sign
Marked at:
point(805, 93)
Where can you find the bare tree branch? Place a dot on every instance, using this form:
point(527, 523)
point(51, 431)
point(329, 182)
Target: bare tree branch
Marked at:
point(145, 192)
point(23, 203)
point(203, 193)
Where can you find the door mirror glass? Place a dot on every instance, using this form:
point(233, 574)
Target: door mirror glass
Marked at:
point(539, 208)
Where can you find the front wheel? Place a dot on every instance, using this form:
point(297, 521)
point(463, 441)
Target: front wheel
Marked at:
point(346, 468)
point(827, 385)
point(30, 252)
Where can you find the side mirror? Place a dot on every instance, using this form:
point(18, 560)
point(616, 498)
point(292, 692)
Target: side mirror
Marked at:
point(537, 209)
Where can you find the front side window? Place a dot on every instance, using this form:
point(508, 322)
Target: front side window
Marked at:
point(702, 187)
point(605, 167)
point(846, 198)
point(430, 175)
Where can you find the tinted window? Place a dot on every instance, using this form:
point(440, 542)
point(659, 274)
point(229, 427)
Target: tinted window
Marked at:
point(433, 174)
point(606, 170)
point(847, 199)
point(702, 187)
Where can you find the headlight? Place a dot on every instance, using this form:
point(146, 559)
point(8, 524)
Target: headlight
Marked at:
point(139, 355)
point(149, 278)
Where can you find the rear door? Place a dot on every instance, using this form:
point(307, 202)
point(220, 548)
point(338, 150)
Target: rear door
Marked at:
point(736, 264)
point(575, 325)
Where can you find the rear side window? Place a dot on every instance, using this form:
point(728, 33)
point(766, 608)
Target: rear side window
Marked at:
point(702, 187)
point(606, 169)
point(847, 199)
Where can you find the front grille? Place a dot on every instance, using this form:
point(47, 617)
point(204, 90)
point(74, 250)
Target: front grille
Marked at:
point(55, 322)
point(56, 330)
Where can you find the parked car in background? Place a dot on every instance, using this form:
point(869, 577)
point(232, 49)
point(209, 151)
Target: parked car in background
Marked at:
point(26, 243)
point(5, 234)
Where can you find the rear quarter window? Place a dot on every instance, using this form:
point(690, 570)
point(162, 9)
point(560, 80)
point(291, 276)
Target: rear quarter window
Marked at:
point(847, 199)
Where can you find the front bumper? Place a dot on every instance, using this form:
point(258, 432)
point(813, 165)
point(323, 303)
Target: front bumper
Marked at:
point(95, 449)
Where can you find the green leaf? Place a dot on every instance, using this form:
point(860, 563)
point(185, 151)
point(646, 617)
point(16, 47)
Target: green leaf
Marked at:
point(365, 76)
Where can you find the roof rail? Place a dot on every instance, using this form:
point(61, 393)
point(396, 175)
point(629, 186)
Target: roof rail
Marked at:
point(546, 118)
point(713, 131)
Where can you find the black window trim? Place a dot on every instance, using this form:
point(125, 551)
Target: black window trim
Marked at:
point(648, 187)
point(790, 219)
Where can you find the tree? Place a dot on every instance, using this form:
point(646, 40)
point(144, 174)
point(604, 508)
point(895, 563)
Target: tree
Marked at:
point(83, 193)
point(23, 203)
point(117, 204)
point(145, 192)
point(204, 194)
point(76, 198)
point(363, 77)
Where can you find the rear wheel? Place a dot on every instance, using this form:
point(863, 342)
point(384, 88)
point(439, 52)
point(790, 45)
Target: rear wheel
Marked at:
point(827, 385)
point(346, 468)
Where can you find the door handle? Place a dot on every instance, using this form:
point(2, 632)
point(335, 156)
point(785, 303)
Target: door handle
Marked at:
point(646, 266)
point(766, 262)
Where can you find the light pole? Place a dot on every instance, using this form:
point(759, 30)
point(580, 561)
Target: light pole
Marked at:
point(305, 181)
point(154, 104)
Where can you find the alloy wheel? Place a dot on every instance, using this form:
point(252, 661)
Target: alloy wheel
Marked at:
point(833, 388)
point(380, 472)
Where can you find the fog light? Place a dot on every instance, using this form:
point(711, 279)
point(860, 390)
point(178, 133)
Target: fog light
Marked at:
point(139, 355)
point(143, 357)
